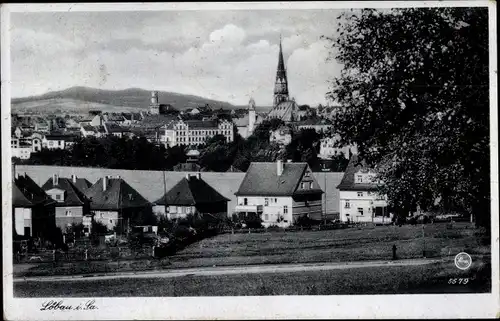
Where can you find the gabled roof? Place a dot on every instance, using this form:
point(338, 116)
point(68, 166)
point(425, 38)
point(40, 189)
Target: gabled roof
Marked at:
point(192, 191)
point(115, 128)
point(348, 181)
point(118, 195)
point(28, 190)
point(262, 179)
point(82, 184)
point(73, 196)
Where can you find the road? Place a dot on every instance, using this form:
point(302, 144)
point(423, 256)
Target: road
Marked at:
point(228, 270)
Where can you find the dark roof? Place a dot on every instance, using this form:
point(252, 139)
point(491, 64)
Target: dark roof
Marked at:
point(192, 191)
point(118, 195)
point(201, 123)
point(28, 193)
point(82, 184)
point(115, 128)
point(60, 137)
point(314, 121)
point(262, 179)
point(348, 182)
point(153, 121)
point(73, 196)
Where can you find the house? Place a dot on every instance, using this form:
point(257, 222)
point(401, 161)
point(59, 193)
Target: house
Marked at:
point(117, 130)
point(279, 193)
point(42, 125)
point(33, 210)
point(191, 195)
point(92, 131)
point(282, 135)
point(359, 197)
point(72, 206)
point(58, 141)
point(21, 150)
point(115, 203)
point(118, 119)
point(36, 142)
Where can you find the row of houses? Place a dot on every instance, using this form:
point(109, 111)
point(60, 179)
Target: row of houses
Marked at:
point(279, 193)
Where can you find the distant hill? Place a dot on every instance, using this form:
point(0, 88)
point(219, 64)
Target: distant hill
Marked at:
point(133, 97)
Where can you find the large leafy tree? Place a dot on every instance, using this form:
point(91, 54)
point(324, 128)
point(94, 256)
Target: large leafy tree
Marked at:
point(415, 97)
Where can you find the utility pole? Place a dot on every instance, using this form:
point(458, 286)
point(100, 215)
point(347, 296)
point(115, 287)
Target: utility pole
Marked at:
point(324, 217)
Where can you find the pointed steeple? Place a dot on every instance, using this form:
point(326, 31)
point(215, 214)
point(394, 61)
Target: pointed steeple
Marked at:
point(281, 84)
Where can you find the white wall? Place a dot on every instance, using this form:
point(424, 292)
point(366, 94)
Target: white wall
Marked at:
point(364, 200)
point(22, 217)
point(273, 210)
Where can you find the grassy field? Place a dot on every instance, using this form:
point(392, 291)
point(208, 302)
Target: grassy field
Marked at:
point(334, 246)
point(293, 247)
point(433, 278)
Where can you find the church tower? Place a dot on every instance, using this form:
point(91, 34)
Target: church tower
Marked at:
point(281, 84)
point(154, 107)
point(251, 116)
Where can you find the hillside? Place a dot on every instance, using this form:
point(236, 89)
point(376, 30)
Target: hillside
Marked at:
point(133, 97)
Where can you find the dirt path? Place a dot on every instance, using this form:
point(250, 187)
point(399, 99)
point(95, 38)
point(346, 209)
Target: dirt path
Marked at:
point(227, 270)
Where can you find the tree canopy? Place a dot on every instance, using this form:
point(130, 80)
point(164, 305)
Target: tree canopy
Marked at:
point(415, 92)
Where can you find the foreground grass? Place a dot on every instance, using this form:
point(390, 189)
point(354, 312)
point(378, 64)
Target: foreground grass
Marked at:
point(346, 245)
point(432, 278)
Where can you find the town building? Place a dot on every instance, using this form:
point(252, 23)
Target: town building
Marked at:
point(114, 203)
point(58, 141)
point(328, 148)
point(195, 132)
point(191, 195)
point(112, 128)
point(33, 210)
point(247, 124)
point(359, 198)
point(281, 136)
point(72, 206)
point(284, 108)
point(279, 193)
point(92, 131)
point(319, 125)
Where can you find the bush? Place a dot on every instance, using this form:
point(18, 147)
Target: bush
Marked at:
point(304, 221)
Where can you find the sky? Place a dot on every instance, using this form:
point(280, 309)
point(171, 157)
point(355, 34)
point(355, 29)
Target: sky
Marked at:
point(224, 55)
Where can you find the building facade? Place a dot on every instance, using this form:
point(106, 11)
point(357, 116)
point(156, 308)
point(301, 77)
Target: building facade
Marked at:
point(359, 198)
point(279, 193)
point(195, 132)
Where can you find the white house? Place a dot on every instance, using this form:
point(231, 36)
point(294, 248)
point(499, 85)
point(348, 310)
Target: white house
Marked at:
point(359, 199)
point(279, 193)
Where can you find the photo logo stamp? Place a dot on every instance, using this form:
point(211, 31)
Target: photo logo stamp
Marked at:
point(463, 261)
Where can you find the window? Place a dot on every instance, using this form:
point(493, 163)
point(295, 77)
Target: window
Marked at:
point(275, 200)
point(111, 221)
point(360, 211)
point(347, 204)
point(359, 179)
point(266, 217)
point(266, 201)
point(68, 213)
point(245, 201)
point(360, 194)
point(285, 209)
point(58, 196)
point(302, 185)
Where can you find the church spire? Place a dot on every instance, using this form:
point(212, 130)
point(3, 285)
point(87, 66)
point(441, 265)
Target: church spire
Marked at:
point(281, 84)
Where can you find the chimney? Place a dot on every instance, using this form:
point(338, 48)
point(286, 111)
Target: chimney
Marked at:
point(104, 183)
point(73, 178)
point(279, 167)
point(55, 179)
